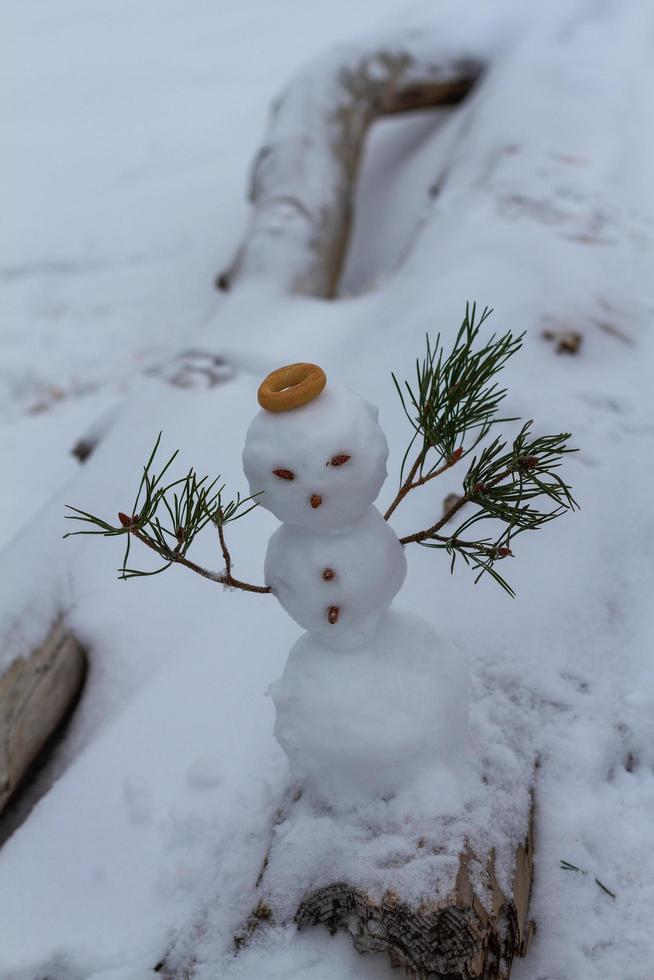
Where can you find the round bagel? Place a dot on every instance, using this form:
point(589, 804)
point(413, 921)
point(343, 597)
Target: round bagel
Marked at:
point(291, 386)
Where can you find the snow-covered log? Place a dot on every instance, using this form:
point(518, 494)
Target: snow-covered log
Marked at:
point(304, 175)
point(434, 892)
point(475, 931)
point(37, 694)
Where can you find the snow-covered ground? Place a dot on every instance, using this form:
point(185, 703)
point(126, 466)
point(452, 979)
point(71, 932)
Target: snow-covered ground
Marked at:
point(129, 131)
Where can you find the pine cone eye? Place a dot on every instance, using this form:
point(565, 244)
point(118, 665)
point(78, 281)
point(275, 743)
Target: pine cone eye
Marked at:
point(284, 474)
point(339, 460)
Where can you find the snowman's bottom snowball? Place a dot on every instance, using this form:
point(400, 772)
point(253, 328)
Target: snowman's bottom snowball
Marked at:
point(368, 722)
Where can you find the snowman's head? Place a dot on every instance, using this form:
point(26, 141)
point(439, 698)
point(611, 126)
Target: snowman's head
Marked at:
point(320, 465)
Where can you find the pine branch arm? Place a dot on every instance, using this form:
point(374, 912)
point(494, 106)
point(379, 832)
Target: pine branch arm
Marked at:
point(432, 532)
point(187, 506)
point(411, 483)
point(225, 550)
point(223, 578)
point(404, 489)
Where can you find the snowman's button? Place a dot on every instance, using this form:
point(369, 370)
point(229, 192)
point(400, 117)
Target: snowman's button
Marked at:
point(291, 386)
point(316, 500)
point(332, 615)
point(329, 574)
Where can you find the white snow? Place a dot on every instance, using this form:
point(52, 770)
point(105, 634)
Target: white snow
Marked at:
point(371, 721)
point(130, 133)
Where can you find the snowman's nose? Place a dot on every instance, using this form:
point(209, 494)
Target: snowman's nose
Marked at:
point(316, 500)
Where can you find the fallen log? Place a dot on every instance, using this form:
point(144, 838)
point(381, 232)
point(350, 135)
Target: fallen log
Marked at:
point(37, 694)
point(304, 176)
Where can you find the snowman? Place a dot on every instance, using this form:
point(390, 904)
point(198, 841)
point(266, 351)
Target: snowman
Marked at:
point(370, 700)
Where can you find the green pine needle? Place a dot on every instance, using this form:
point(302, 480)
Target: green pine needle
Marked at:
point(453, 408)
point(186, 506)
point(566, 866)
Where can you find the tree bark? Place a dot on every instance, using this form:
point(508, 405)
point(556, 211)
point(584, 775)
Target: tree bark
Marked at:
point(304, 175)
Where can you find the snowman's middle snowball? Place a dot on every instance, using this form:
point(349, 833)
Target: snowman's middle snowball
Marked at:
point(357, 572)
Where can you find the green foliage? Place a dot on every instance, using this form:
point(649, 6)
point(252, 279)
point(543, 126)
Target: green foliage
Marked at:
point(185, 506)
point(452, 409)
point(455, 396)
point(566, 866)
point(508, 487)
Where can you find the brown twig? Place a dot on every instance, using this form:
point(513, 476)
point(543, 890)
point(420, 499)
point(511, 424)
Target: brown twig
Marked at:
point(225, 578)
point(411, 483)
point(223, 547)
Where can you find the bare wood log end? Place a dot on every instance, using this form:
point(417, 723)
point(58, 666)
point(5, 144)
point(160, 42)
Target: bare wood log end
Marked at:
point(458, 937)
point(37, 695)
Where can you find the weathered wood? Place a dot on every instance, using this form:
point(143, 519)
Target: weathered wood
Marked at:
point(37, 693)
point(472, 930)
point(304, 176)
point(455, 937)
